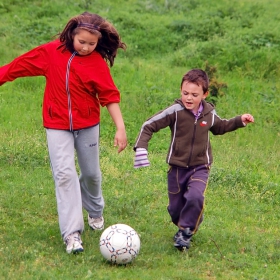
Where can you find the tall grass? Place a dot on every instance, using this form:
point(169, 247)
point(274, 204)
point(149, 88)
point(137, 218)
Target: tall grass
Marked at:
point(239, 238)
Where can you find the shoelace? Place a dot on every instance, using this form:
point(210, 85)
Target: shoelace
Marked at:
point(75, 237)
point(96, 220)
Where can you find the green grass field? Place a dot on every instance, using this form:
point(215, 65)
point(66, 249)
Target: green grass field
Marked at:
point(238, 43)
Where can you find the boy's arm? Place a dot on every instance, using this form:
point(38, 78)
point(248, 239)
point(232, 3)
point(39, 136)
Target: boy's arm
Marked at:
point(157, 122)
point(221, 126)
point(152, 125)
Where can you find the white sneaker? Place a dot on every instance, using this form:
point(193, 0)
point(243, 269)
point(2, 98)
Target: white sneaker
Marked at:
point(74, 243)
point(96, 223)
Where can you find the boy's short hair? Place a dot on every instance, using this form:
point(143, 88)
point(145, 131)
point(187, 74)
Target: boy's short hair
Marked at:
point(198, 77)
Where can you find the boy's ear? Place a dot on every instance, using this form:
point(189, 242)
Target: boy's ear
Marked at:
point(205, 94)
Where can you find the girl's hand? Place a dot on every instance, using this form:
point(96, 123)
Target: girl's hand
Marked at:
point(116, 115)
point(120, 140)
point(247, 118)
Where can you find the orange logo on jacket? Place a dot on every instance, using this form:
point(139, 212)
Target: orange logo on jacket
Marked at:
point(203, 123)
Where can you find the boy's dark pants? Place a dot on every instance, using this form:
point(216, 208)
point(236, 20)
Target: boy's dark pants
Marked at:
point(186, 187)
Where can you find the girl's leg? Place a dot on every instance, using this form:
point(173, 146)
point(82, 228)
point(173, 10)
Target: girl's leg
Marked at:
point(87, 147)
point(67, 186)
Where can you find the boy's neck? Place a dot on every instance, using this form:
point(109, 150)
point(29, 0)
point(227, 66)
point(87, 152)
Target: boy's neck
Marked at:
point(198, 111)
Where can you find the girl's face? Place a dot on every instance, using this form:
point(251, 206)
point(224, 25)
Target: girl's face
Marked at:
point(192, 95)
point(84, 42)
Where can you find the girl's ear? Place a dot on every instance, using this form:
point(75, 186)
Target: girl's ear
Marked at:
point(205, 94)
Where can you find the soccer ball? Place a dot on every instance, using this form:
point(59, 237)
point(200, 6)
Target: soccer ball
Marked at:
point(119, 244)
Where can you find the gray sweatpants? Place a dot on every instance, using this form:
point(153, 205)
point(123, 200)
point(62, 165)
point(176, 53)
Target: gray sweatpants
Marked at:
point(72, 191)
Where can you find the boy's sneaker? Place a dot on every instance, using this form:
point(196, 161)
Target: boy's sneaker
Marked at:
point(177, 234)
point(183, 239)
point(96, 223)
point(74, 243)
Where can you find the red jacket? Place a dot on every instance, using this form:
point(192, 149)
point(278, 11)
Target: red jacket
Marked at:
point(76, 85)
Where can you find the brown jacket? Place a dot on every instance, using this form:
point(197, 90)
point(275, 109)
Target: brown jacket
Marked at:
point(190, 141)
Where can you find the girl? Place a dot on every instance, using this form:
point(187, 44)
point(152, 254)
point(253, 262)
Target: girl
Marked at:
point(78, 81)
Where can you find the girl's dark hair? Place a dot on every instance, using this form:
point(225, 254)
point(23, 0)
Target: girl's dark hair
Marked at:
point(198, 77)
point(109, 40)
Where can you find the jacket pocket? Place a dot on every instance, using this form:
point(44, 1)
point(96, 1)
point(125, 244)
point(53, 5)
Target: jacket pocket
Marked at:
point(50, 111)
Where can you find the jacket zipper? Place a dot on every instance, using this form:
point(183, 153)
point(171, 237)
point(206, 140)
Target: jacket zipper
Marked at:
point(194, 131)
point(68, 92)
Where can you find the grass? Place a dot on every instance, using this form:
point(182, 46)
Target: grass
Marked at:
point(239, 238)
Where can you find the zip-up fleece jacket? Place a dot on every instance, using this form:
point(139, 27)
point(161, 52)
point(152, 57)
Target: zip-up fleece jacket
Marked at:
point(190, 143)
point(76, 85)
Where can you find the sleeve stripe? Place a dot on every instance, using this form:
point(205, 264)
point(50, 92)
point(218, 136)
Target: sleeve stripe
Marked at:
point(168, 111)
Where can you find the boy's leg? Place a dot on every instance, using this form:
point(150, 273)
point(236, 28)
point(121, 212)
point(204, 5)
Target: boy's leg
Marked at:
point(67, 186)
point(87, 147)
point(176, 190)
point(191, 213)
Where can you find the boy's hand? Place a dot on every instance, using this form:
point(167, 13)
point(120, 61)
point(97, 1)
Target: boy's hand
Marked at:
point(247, 118)
point(141, 158)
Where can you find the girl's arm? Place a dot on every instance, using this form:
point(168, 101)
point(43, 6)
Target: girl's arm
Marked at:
point(116, 115)
point(32, 63)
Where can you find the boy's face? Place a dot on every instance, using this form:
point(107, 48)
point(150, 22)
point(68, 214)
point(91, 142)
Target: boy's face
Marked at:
point(192, 95)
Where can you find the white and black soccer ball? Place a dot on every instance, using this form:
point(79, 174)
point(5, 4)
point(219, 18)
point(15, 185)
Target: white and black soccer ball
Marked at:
point(119, 244)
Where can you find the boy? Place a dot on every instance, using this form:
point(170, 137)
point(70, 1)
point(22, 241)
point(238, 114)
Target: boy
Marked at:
point(190, 119)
